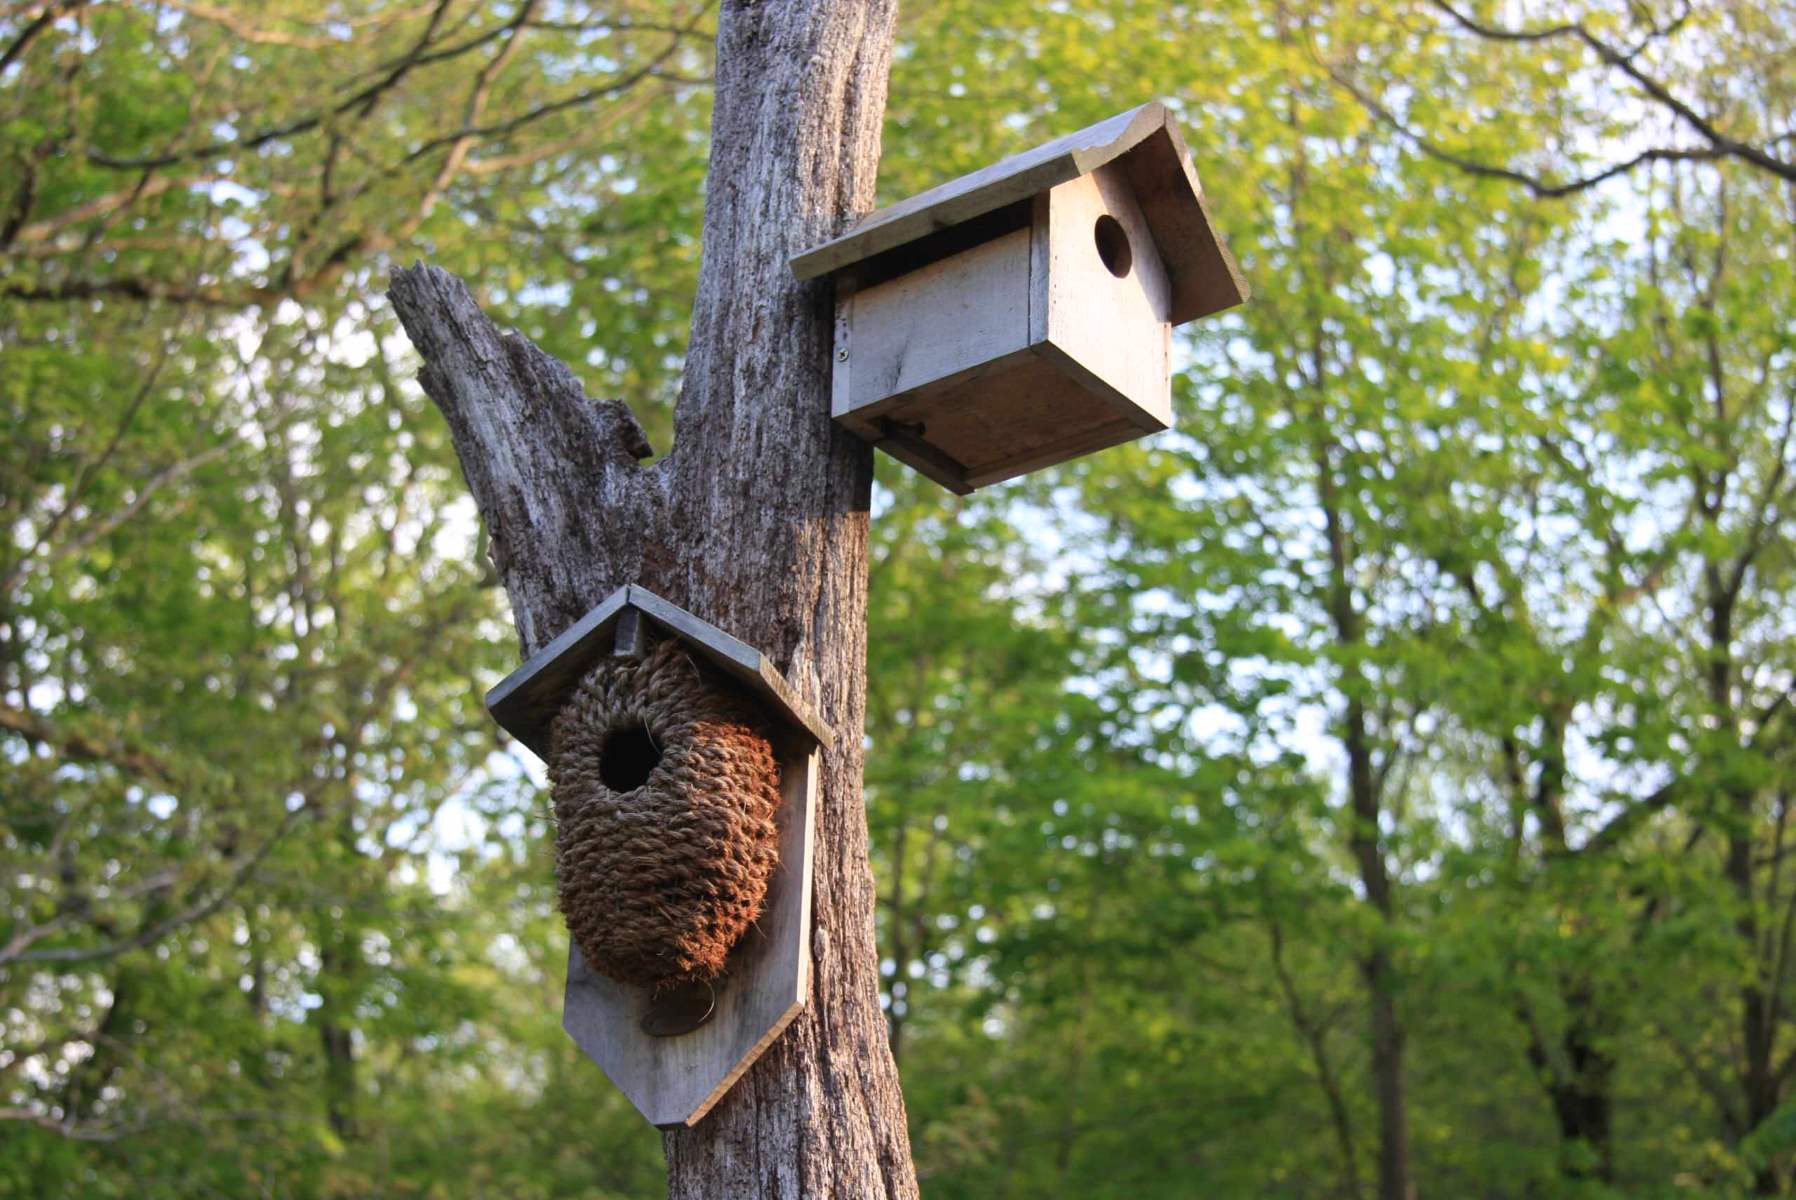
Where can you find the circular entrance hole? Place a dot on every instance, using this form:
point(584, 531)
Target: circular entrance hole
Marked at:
point(630, 754)
point(1113, 245)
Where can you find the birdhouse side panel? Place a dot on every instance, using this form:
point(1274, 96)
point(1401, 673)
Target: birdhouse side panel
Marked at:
point(938, 322)
point(1108, 295)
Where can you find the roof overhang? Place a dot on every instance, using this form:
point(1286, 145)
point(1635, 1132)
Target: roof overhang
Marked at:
point(1146, 146)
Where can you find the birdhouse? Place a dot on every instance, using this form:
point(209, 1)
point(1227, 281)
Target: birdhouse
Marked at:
point(684, 771)
point(1021, 315)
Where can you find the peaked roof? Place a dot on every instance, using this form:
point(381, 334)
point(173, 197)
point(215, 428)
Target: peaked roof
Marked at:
point(525, 702)
point(1143, 141)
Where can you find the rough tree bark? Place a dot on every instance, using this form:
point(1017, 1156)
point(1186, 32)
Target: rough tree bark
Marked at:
point(756, 521)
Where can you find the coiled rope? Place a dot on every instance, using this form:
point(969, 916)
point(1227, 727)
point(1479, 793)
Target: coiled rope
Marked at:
point(665, 789)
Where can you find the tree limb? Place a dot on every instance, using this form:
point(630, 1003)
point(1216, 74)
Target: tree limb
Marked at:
point(84, 747)
point(539, 455)
point(154, 932)
point(1625, 63)
point(1546, 189)
point(17, 47)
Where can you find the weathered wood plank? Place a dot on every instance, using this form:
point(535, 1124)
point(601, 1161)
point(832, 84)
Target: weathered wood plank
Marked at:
point(938, 320)
point(525, 702)
point(1146, 146)
point(742, 662)
point(1016, 178)
point(1205, 278)
point(1112, 327)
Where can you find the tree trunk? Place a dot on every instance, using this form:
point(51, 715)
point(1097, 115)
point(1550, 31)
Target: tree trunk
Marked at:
point(1365, 800)
point(1579, 1079)
point(757, 522)
point(1579, 1082)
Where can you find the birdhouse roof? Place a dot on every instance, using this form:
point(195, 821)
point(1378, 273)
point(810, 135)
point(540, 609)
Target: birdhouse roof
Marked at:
point(1146, 145)
point(526, 701)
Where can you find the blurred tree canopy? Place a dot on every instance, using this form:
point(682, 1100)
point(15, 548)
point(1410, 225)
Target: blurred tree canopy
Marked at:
point(1380, 786)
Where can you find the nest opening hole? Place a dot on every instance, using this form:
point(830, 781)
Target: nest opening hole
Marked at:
point(1113, 245)
point(629, 757)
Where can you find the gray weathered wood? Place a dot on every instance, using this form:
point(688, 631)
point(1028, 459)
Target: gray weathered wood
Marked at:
point(675, 1081)
point(930, 323)
point(1114, 328)
point(1015, 178)
point(1203, 273)
point(757, 521)
point(540, 458)
point(629, 639)
point(979, 331)
point(1146, 145)
point(525, 702)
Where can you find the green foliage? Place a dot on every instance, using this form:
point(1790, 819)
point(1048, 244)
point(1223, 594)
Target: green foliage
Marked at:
point(1487, 494)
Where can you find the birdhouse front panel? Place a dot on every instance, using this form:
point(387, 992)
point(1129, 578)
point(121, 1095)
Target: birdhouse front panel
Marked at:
point(1022, 315)
point(929, 324)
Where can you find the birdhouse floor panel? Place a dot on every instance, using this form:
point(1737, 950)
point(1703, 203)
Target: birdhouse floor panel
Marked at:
point(998, 420)
point(1090, 441)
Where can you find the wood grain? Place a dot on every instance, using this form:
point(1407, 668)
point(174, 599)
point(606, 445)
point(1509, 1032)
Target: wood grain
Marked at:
point(1205, 278)
point(937, 321)
point(978, 332)
point(1014, 353)
point(1113, 328)
point(1015, 178)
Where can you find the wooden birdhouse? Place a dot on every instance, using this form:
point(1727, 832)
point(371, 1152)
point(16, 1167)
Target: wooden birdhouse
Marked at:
point(1021, 315)
point(627, 706)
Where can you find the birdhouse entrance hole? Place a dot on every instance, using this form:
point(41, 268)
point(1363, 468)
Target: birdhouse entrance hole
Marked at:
point(629, 757)
point(1113, 246)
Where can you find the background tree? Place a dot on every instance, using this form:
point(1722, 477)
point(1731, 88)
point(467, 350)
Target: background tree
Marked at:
point(1633, 81)
point(1121, 921)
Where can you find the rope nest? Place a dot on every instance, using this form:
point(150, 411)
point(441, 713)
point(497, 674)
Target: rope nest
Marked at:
point(665, 789)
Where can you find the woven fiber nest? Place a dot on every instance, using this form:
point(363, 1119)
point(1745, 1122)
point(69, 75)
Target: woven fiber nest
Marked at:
point(665, 790)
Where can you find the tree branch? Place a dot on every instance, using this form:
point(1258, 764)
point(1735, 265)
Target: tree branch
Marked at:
point(1624, 822)
point(1624, 62)
point(16, 49)
point(1719, 145)
point(99, 529)
point(84, 747)
point(539, 455)
point(154, 932)
point(1546, 189)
